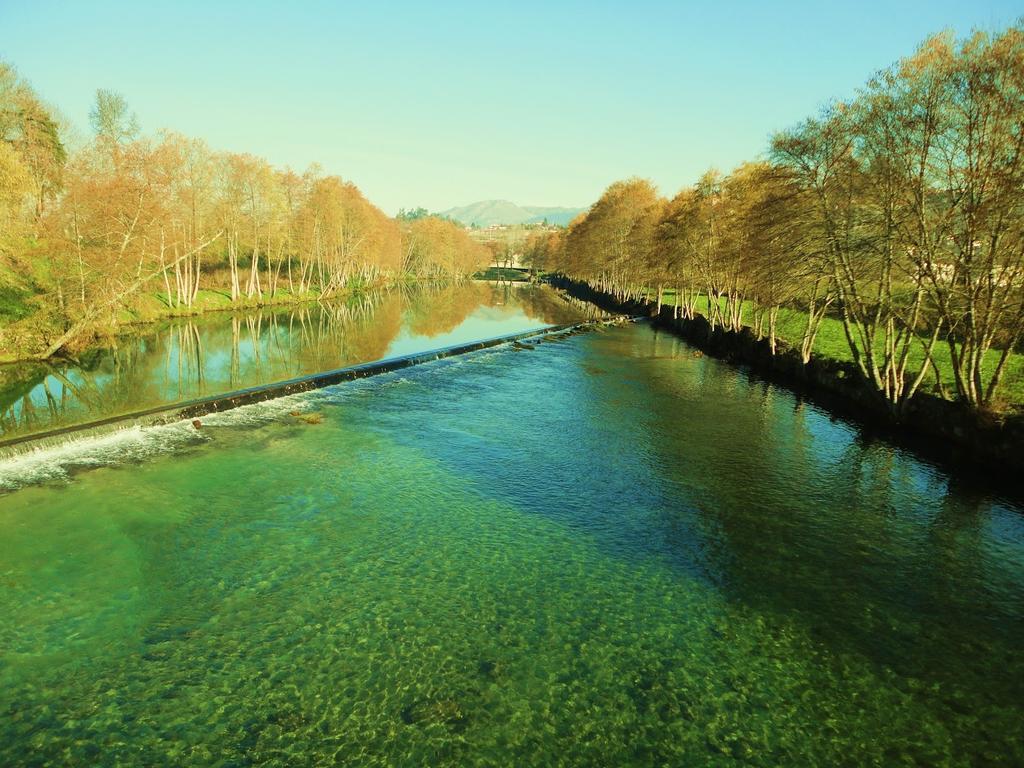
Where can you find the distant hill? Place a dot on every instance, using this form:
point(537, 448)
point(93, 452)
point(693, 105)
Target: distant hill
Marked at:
point(488, 212)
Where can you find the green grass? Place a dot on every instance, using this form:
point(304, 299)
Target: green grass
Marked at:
point(13, 304)
point(831, 343)
point(150, 306)
point(17, 289)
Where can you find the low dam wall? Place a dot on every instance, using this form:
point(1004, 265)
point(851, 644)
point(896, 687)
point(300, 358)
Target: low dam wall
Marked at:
point(940, 429)
point(194, 409)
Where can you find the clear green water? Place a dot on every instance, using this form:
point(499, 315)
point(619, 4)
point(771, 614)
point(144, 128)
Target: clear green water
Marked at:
point(604, 551)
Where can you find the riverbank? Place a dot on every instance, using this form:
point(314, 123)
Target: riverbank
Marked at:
point(830, 342)
point(939, 428)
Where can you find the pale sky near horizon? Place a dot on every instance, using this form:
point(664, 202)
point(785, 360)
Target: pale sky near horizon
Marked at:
point(446, 103)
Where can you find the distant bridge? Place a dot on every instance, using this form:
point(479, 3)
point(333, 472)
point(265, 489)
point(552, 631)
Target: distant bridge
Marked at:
point(515, 261)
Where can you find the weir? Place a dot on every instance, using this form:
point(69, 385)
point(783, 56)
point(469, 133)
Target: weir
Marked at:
point(199, 407)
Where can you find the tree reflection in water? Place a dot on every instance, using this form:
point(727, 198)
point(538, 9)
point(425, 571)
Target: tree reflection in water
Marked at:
point(197, 357)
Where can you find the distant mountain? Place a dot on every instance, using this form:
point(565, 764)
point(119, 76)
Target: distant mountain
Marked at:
point(490, 212)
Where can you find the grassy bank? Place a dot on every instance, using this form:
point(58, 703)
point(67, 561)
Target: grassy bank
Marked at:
point(14, 304)
point(17, 291)
point(150, 307)
point(831, 343)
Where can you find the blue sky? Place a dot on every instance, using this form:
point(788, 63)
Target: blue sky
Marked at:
point(441, 104)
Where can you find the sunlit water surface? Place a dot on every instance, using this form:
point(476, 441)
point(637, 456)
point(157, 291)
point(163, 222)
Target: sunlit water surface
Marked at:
point(167, 363)
point(602, 551)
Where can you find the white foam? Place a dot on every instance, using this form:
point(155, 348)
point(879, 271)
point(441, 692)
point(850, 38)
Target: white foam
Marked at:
point(262, 412)
point(56, 461)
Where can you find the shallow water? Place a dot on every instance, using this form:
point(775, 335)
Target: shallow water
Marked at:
point(167, 363)
point(603, 551)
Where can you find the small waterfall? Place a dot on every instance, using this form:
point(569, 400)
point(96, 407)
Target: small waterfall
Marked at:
point(136, 436)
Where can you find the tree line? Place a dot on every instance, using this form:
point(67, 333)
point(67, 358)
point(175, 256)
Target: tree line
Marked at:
point(900, 212)
point(84, 232)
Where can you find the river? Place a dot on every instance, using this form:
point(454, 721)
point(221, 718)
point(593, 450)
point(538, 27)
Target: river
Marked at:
point(606, 550)
point(183, 359)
